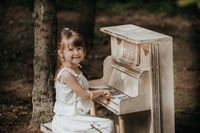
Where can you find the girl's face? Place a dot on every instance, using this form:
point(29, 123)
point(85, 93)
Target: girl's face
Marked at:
point(73, 54)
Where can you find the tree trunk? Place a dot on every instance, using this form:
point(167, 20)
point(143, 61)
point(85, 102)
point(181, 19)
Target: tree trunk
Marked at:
point(87, 21)
point(43, 62)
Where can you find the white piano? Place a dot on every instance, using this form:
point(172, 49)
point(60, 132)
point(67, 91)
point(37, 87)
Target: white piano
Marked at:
point(139, 73)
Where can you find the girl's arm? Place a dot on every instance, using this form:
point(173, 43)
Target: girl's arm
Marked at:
point(70, 80)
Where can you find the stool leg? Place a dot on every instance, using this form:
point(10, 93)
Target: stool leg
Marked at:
point(121, 124)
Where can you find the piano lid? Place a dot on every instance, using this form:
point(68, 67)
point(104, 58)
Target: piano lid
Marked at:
point(133, 33)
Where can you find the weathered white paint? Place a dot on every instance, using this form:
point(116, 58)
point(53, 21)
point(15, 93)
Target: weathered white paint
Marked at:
point(140, 74)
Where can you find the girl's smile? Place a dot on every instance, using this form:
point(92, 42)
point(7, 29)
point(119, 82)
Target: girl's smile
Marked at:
point(73, 55)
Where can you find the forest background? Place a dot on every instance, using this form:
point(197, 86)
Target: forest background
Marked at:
point(179, 19)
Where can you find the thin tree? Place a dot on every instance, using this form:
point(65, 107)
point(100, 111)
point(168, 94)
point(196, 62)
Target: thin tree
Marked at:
point(44, 46)
point(87, 21)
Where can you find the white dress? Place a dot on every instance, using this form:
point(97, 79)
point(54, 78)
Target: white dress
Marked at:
point(71, 113)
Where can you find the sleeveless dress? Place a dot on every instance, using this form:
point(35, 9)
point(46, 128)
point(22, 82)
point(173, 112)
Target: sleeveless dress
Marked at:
point(71, 112)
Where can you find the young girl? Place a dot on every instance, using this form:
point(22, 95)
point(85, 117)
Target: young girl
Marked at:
point(73, 99)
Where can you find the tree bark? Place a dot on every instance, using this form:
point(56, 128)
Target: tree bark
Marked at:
point(44, 59)
point(87, 21)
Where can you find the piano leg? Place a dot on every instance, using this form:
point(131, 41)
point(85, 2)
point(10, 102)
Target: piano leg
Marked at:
point(121, 124)
point(93, 109)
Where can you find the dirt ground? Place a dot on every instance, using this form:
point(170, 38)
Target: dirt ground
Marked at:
point(17, 51)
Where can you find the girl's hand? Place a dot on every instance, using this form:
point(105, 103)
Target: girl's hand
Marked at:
point(106, 94)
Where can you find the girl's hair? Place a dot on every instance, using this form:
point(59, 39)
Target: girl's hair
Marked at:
point(68, 38)
point(72, 37)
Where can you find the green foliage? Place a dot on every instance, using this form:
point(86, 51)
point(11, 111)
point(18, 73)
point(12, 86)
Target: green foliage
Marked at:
point(190, 6)
point(25, 3)
point(153, 6)
point(161, 7)
point(188, 2)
